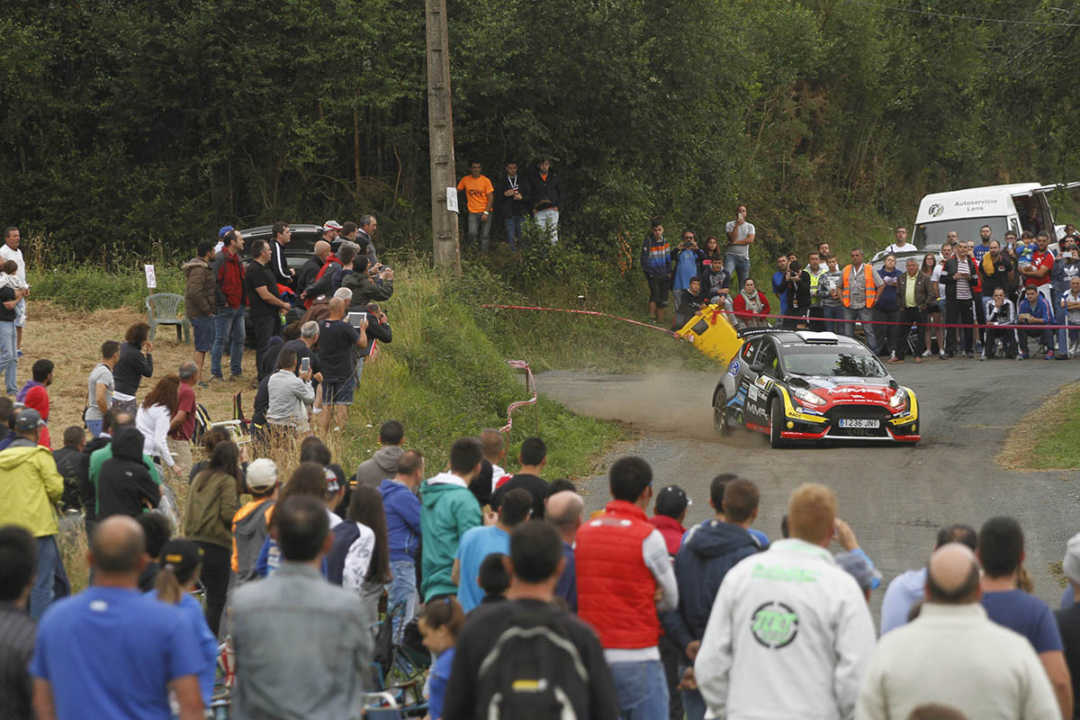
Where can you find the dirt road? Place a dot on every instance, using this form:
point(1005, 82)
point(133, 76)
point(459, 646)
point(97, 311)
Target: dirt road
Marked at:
point(894, 497)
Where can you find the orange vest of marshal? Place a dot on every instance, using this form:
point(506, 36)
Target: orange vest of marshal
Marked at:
point(871, 288)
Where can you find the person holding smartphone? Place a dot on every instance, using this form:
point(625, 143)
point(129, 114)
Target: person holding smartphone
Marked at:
point(337, 356)
point(741, 236)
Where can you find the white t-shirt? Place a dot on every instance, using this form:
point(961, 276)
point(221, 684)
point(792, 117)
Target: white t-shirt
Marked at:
point(936, 277)
point(100, 374)
point(1074, 315)
point(6, 253)
point(744, 230)
point(906, 247)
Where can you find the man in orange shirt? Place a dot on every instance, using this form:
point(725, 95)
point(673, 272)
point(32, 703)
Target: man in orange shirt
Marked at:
point(480, 196)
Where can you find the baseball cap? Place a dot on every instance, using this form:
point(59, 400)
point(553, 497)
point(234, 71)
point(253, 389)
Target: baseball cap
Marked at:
point(28, 419)
point(183, 555)
point(1071, 565)
point(224, 229)
point(859, 567)
point(331, 225)
point(671, 501)
point(261, 474)
point(333, 484)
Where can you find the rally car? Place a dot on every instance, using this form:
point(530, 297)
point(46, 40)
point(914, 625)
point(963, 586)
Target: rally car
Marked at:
point(800, 385)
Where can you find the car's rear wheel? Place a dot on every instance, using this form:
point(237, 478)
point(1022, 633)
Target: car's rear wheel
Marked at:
point(776, 422)
point(720, 419)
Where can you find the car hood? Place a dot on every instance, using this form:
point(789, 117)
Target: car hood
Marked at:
point(849, 389)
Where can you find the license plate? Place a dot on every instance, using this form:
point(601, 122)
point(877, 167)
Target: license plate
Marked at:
point(859, 423)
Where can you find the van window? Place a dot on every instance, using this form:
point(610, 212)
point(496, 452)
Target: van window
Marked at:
point(932, 234)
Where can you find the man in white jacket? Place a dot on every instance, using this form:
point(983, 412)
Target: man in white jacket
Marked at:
point(790, 633)
point(954, 655)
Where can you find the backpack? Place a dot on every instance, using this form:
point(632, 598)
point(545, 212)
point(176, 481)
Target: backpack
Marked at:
point(533, 672)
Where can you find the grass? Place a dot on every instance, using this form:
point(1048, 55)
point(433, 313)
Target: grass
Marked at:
point(1045, 439)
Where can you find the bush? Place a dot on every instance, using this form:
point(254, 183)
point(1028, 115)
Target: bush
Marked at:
point(89, 288)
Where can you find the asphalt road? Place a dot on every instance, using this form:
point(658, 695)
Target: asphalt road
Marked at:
point(894, 497)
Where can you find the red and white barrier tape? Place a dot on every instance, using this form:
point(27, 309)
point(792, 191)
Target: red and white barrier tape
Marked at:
point(530, 386)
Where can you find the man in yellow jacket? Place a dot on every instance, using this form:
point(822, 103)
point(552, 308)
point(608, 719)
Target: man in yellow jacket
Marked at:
point(32, 486)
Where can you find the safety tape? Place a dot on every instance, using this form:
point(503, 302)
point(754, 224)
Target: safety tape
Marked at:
point(530, 385)
point(590, 313)
point(804, 318)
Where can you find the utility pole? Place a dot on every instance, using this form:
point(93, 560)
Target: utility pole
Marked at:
point(444, 223)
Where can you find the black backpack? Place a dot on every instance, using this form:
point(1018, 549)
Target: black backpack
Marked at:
point(533, 672)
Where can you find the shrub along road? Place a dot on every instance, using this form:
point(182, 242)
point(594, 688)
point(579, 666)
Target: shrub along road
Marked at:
point(894, 497)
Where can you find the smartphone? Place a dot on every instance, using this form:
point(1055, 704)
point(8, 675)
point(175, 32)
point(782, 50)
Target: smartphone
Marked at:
point(305, 364)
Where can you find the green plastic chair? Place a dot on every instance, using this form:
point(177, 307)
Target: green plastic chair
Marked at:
point(164, 309)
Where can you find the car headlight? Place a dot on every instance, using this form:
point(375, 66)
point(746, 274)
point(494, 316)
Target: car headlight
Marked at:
point(806, 397)
point(898, 402)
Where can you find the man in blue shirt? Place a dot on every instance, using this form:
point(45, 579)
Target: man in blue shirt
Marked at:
point(402, 509)
point(1001, 553)
point(112, 652)
point(479, 542)
point(1035, 311)
point(985, 235)
point(565, 510)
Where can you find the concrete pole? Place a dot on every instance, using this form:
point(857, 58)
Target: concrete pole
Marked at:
point(444, 224)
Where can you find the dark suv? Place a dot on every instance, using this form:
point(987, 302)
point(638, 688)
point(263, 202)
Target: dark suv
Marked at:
point(299, 249)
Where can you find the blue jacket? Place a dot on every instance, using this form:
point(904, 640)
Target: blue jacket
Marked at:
point(686, 267)
point(708, 552)
point(1041, 310)
point(402, 520)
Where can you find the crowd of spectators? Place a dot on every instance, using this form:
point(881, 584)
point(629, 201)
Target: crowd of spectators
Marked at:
point(537, 194)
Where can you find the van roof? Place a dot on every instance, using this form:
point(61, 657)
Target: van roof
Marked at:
point(990, 200)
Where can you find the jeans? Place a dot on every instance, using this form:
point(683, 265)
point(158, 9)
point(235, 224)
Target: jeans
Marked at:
point(1046, 338)
point(831, 313)
point(863, 315)
point(51, 582)
point(671, 656)
point(737, 264)
point(1065, 338)
point(693, 705)
point(228, 326)
point(8, 358)
point(266, 327)
point(888, 331)
point(641, 689)
point(402, 591)
point(479, 226)
point(959, 311)
point(513, 230)
point(359, 370)
point(548, 220)
point(94, 426)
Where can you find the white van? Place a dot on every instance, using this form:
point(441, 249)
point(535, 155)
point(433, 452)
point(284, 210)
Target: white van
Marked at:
point(1016, 207)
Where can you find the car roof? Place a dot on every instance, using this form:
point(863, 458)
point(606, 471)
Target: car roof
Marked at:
point(792, 338)
point(265, 229)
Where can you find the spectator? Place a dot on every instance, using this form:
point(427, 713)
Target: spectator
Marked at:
point(260, 285)
point(907, 589)
point(365, 238)
point(1036, 270)
point(740, 235)
point(565, 510)
point(656, 262)
point(135, 363)
point(99, 456)
point(855, 562)
point(200, 300)
point(1066, 267)
point(624, 577)
point(915, 292)
point(402, 509)
point(494, 578)
point(1069, 340)
point(288, 396)
point(182, 561)
point(17, 559)
point(231, 297)
point(690, 301)
point(157, 530)
point(304, 347)
point(124, 484)
point(1034, 311)
point(337, 340)
point(383, 464)
point(359, 559)
point(494, 446)
point(751, 307)
point(310, 269)
point(378, 329)
point(860, 285)
point(213, 500)
point(9, 275)
point(757, 612)
point(280, 236)
point(10, 251)
point(479, 542)
point(533, 458)
point(807, 301)
point(931, 269)
point(1000, 311)
point(1068, 617)
point(979, 251)
point(829, 291)
point(536, 562)
point(282, 627)
point(901, 244)
point(783, 286)
point(713, 276)
point(310, 479)
point(35, 394)
point(669, 513)
point(449, 511)
point(87, 492)
point(957, 276)
point(69, 460)
point(154, 419)
point(687, 259)
point(479, 201)
point(7, 410)
point(545, 196)
point(221, 233)
point(440, 626)
point(512, 203)
point(711, 549)
point(31, 487)
point(1001, 554)
point(99, 387)
point(368, 283)
point(887, 308)
point(250, 524)
point(328, 282)
point(182, 424)
point(9, 301)
point(113, 670)
point(996, 270)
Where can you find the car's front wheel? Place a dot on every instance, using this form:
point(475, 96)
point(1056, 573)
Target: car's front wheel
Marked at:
point(720, 418)
point(776, 422)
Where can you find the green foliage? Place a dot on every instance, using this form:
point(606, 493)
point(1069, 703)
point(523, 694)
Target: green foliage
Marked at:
point(84, 287)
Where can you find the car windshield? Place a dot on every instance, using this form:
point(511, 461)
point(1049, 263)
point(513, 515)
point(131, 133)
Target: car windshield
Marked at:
point(833, 362)
point(932, 234)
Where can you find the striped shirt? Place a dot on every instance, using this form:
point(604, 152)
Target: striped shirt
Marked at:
point(16, 646)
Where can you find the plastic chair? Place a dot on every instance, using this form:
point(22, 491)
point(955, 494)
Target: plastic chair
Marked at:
point(164, 309)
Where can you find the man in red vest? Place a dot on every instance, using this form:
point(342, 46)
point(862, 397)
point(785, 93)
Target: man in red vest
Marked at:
point(624, 576)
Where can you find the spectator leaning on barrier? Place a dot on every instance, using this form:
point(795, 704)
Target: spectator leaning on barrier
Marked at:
point(859, 288)
point(231, 298)
point(200, 292)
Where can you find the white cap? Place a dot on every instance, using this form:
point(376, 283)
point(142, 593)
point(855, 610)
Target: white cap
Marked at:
point(331, 225)
point(261, 474)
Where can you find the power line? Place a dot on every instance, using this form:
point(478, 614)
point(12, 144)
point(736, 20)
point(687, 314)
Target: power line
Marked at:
point(971, 18)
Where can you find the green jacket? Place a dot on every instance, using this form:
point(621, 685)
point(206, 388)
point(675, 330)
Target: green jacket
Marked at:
point(98, 458)
point(211, 503)
point(30, 488)
point(448, 509)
